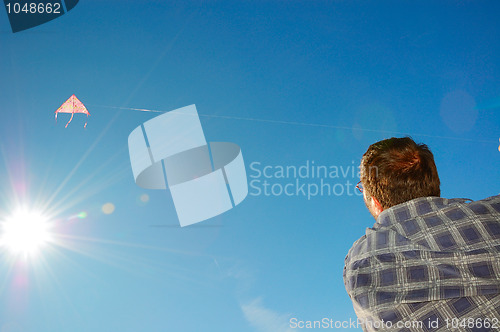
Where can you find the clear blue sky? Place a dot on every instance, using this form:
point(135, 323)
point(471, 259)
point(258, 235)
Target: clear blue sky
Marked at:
point(363, 70)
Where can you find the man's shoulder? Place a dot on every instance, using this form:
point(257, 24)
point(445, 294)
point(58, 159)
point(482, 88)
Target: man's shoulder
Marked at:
point(429, 223)
point(428, 206)
point(493, 201)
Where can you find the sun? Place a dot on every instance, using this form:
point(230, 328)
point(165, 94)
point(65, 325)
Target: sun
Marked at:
point(25, 232)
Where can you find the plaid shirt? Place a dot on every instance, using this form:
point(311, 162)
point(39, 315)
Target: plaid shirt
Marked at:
point(429, 264)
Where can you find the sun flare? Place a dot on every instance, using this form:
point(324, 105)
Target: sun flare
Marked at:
point(25, 232)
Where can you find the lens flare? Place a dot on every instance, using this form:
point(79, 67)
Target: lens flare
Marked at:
point(82, 215)
point(108, 208)
point(144, 198)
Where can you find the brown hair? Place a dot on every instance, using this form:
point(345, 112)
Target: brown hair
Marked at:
point(397, 170)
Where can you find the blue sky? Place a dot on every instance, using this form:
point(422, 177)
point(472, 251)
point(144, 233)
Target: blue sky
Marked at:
point(322, 80)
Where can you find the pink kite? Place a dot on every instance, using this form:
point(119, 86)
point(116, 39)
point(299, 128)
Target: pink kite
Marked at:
point(72, 105)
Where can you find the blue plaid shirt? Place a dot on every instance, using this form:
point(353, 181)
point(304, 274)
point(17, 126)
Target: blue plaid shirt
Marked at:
point(429, 264)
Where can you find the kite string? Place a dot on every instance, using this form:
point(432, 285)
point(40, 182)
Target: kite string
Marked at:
point(295, 123)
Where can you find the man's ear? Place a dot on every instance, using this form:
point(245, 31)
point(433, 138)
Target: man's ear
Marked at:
point(376, 206)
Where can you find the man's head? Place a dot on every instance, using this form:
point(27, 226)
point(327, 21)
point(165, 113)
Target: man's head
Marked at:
point(397, 170)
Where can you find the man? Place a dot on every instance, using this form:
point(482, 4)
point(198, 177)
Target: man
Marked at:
point(428, 263)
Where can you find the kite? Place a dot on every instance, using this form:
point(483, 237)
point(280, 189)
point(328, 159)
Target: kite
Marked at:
point(72, 105)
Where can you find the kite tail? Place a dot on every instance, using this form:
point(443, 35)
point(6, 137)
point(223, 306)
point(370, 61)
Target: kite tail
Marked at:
point(69, 120)
point(85, 126)
point(56, 117)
